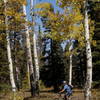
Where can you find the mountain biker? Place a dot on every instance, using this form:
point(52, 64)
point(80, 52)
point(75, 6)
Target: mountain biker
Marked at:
point(67, 90)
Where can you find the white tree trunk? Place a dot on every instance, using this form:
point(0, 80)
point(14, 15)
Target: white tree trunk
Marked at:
point(35, 46)
point(36, 58)
point(17, 77)
point(17, 73)
point(89, 57)
point(70, 70)
point(9, 52)
point(70, 64)
point(35, 50)
point(28, 74)
point(28, 45)
point(10, 63)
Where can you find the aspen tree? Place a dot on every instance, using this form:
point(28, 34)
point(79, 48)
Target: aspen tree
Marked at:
point(88, 84)
point(35, 47)
point(9, 51)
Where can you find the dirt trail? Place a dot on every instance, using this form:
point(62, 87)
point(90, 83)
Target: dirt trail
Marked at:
point(44, 95)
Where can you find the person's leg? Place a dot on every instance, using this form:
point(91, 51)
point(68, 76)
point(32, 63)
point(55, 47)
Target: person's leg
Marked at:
point(68, 96)
point(32, 91)
point(65, 97)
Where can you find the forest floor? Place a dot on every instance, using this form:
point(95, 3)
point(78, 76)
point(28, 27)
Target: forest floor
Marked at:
point(47, 95)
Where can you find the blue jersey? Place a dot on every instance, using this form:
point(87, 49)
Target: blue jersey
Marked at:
point(67, 89)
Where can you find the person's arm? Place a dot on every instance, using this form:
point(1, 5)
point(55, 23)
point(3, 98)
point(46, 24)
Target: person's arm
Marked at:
point(62, 91)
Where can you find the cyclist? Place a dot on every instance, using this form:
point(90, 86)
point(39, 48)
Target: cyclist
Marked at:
point(67, 91)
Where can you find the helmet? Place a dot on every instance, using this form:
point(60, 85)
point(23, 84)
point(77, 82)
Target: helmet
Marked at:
point(64, 82)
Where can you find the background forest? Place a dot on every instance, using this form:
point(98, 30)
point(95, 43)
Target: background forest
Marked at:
point(45, 44)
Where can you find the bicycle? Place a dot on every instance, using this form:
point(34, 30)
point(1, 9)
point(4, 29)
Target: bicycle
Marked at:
point(60, 97)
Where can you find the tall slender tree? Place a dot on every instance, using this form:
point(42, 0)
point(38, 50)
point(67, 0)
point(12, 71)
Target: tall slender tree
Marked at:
point(29, 54)
point(88, 84)
point(35, 46)
point(9, 50)
point(28, 74)
point(70, 65)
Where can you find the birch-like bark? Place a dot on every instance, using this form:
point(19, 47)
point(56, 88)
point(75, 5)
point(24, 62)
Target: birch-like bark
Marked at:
point(17, 78)
point(70, 70)
point(35, 48)
point(36, 58)
point(28, 74)
point(28, 45)
point(70, 64)
point(88, 55)
point(9, 52)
